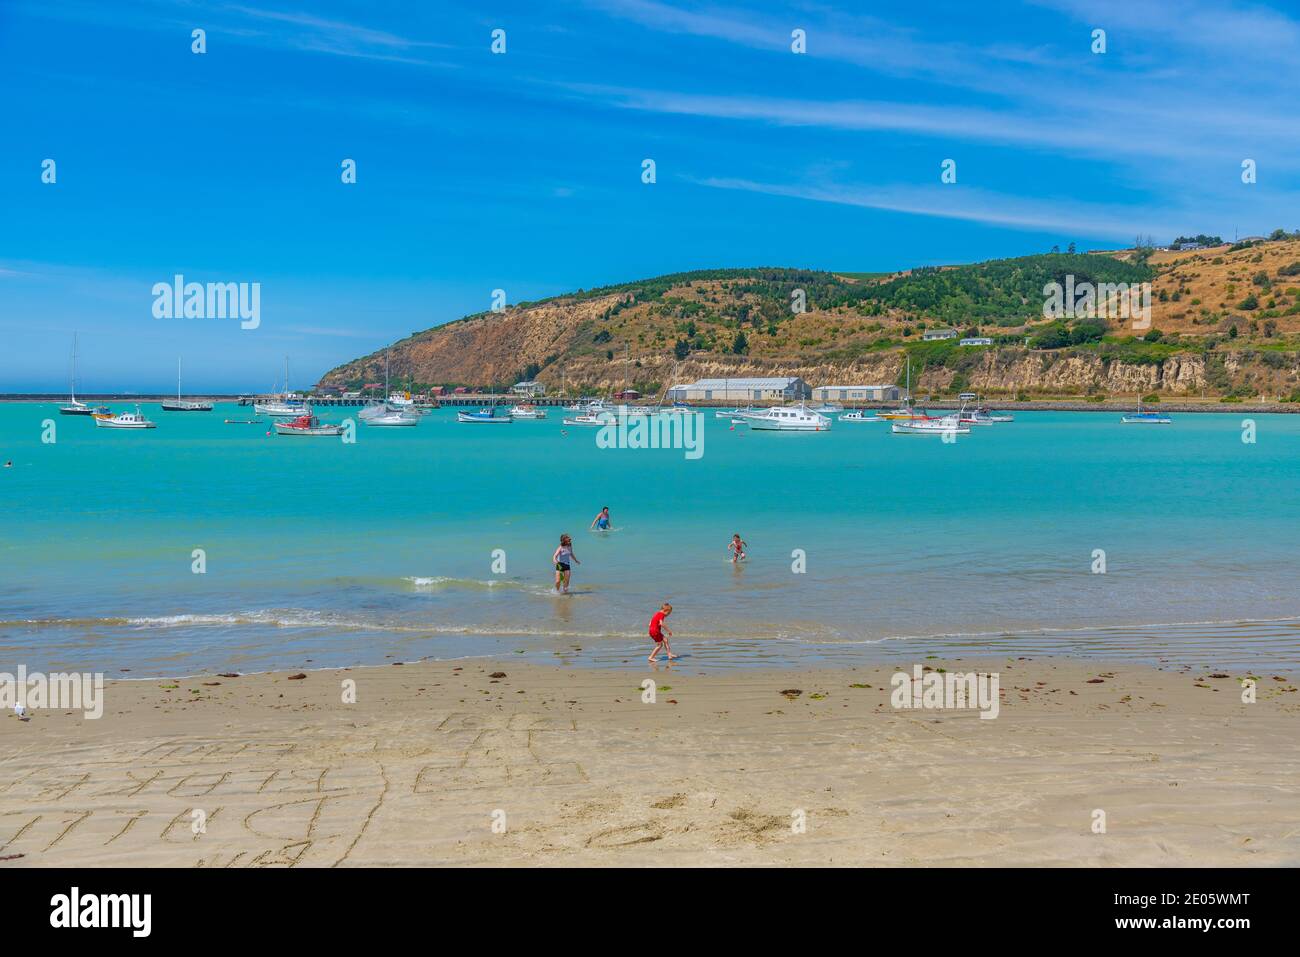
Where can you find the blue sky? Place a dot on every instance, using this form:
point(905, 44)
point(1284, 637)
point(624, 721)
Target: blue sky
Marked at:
point(522, 171)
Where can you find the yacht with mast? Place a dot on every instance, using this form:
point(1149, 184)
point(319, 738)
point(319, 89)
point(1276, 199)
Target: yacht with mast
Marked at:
point(183, 405)
point(75, 406)
point(390, 412)
point(286, 404)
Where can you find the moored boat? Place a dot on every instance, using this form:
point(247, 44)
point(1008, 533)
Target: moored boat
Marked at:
point(526, 411)
point(945, 425)
point(123, 420)
point(786, 419)
point(486, 416)
point(307, 424)
point(183, 405)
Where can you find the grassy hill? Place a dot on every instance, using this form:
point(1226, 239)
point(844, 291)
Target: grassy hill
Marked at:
point(1225, 321)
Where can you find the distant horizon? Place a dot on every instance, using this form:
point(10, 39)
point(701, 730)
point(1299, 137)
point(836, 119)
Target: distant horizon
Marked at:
point(602, 142)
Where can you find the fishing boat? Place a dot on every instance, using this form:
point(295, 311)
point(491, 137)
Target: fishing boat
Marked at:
point(859, 415)
point(945, 425)
point(184, 405)
point(393, 417)
point(997, 416)
point(598, 418)
point(787, 419)
point(307, 424)
point(123, 420)
point(75, 406)
point(976, 417)
point(486, 416)
point(526, 411)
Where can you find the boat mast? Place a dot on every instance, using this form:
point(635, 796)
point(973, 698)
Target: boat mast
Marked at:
point(72, 382)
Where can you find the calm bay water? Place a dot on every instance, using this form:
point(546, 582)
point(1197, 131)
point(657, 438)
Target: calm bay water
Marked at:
point(321, 553)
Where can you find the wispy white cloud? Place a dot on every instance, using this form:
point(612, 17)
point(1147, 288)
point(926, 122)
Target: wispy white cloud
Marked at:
point(971, 204)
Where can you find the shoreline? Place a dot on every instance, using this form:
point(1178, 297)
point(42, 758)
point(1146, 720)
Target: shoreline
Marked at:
point(1045, 405)
point(575, 769)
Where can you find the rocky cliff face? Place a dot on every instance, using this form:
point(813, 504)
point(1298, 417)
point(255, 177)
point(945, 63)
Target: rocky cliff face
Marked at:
point(630, 336)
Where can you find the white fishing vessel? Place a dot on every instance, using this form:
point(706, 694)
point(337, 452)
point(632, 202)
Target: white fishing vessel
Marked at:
point(526, 412)
point(976, 417)
point(123, 420)
point(859, 415)
point(75, 406)
point(944, 425)
point(183, 405)
point(786, 419)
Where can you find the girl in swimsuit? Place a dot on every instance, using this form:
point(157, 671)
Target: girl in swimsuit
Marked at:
point(601, 521)
point(563, 557)
point(737, 548)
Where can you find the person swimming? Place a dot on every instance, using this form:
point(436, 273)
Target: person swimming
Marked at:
point(563, 557)
point(601, 521)
point(737, 548)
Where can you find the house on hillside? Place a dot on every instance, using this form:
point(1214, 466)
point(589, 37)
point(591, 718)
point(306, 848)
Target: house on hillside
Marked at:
point(930, 335)
point(976, 341)
point(856, 393)
point(774, 389)
point(529, 389)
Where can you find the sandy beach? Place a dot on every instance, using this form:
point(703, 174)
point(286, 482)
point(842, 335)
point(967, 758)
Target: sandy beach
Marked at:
point(573, 768)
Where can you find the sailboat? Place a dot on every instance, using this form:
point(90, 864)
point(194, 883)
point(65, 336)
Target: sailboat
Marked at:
point(74, 407)
point(390, 412)
point(905, 412)
point(286, 405)
point(1144, 417)
point(183, 405)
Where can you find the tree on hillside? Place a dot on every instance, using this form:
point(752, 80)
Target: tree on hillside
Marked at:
point(741, 345)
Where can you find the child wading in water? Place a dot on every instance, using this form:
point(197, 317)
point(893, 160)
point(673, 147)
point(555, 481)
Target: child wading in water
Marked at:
point(563, 557)
point(737, 548)
point(660, 633)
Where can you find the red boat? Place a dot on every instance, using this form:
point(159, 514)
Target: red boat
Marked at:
point(307, 425)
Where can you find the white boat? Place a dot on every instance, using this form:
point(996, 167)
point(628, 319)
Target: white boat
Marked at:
point(285, 404)
point(598, 419)
point(75, 406)
point(396, 411)
point(123, 420)
point(860, 416)
point(976, 417)
point(485, 416)
point(184, 405)
point(307, 424)
point(786, 419)
point(946, 425)
point(282, 409)
point(394, 418)
point(526, 412)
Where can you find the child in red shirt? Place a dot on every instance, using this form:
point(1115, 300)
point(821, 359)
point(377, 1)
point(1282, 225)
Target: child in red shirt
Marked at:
point(660, 633)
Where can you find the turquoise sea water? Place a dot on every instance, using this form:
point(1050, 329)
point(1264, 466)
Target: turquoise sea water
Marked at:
point(321, 553)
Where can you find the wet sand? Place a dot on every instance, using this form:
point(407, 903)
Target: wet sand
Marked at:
point(444, 764)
